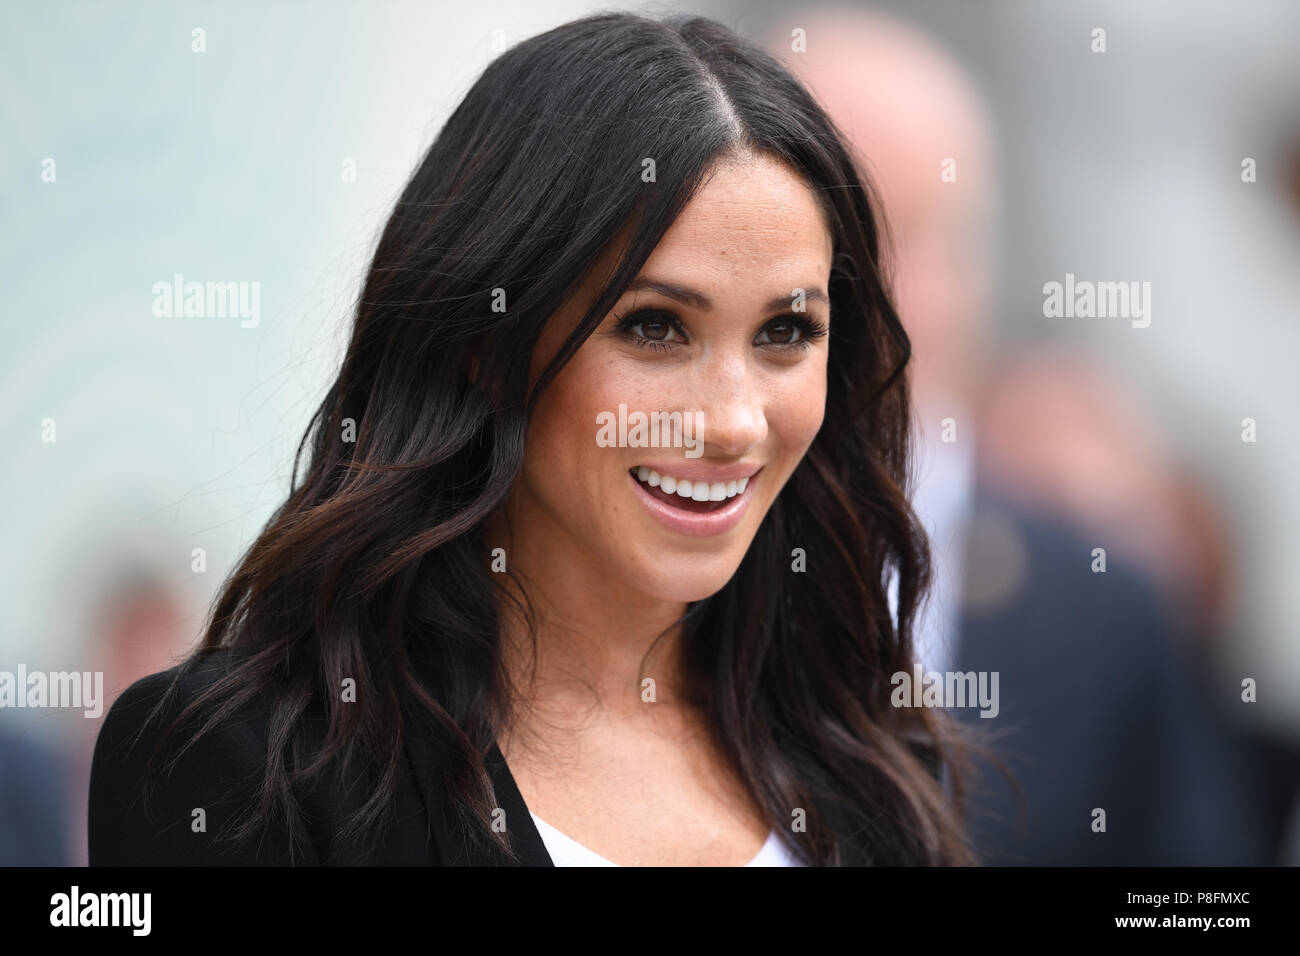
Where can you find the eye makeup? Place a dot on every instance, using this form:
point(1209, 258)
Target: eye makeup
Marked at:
point(805, 330)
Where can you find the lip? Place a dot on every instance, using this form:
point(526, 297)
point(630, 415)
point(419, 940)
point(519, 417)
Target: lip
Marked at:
point(702, 524)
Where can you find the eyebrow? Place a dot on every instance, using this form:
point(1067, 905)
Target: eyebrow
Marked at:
point(699, 300)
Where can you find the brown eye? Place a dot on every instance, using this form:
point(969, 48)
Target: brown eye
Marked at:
point(790, 334)
point(781, 333)
point(654, 329)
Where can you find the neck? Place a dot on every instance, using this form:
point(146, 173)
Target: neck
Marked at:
point(598, 641)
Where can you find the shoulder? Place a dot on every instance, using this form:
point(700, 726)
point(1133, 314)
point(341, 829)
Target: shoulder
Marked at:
point(180, 685)
point(139, 716)
point(160, 793)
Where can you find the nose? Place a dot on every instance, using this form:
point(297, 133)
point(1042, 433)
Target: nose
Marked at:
point(730, 401)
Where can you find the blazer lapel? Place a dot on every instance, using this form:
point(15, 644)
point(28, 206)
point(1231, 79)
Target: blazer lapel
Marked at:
point(524, 837)
point(448, 843)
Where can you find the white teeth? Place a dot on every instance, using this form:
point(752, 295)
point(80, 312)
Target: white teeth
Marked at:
point(686, 488)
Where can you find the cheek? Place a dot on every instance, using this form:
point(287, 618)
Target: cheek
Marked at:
point(559, 445)
point(562, 460)
point(595, 382)
point(798, 408)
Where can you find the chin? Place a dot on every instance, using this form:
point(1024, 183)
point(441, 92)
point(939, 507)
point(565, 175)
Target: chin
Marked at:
point(687, 578)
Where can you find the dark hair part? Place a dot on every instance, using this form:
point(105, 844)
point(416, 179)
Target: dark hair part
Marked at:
point(375, 568)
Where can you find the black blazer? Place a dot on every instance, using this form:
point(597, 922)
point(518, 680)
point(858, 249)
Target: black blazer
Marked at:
point(224, 769)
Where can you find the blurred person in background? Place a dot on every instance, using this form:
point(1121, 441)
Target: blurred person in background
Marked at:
point(143, 620)
point(122, 610)
point(34, 791)
point(1102, 705)
point(1061, 433)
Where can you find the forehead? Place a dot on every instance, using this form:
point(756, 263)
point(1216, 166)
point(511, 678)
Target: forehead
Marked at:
point(749, 214)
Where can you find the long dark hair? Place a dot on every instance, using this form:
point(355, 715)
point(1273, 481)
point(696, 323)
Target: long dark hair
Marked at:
point(376, 568)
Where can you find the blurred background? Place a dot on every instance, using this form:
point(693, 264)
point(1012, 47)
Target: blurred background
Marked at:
point(1013, 145)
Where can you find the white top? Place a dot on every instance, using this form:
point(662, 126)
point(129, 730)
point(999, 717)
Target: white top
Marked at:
point(566, 851)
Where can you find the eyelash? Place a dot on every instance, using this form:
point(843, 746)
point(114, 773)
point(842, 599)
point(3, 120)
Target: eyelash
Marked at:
point(810, 330)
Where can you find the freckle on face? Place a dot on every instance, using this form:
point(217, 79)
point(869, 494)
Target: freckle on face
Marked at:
point(752, 232)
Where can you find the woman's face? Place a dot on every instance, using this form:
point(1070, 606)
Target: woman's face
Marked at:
point(714, 331)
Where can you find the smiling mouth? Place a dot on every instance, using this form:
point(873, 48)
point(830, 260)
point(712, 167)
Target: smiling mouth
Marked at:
point(697, 497)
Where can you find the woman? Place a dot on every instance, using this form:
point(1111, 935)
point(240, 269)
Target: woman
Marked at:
point(590, 561)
